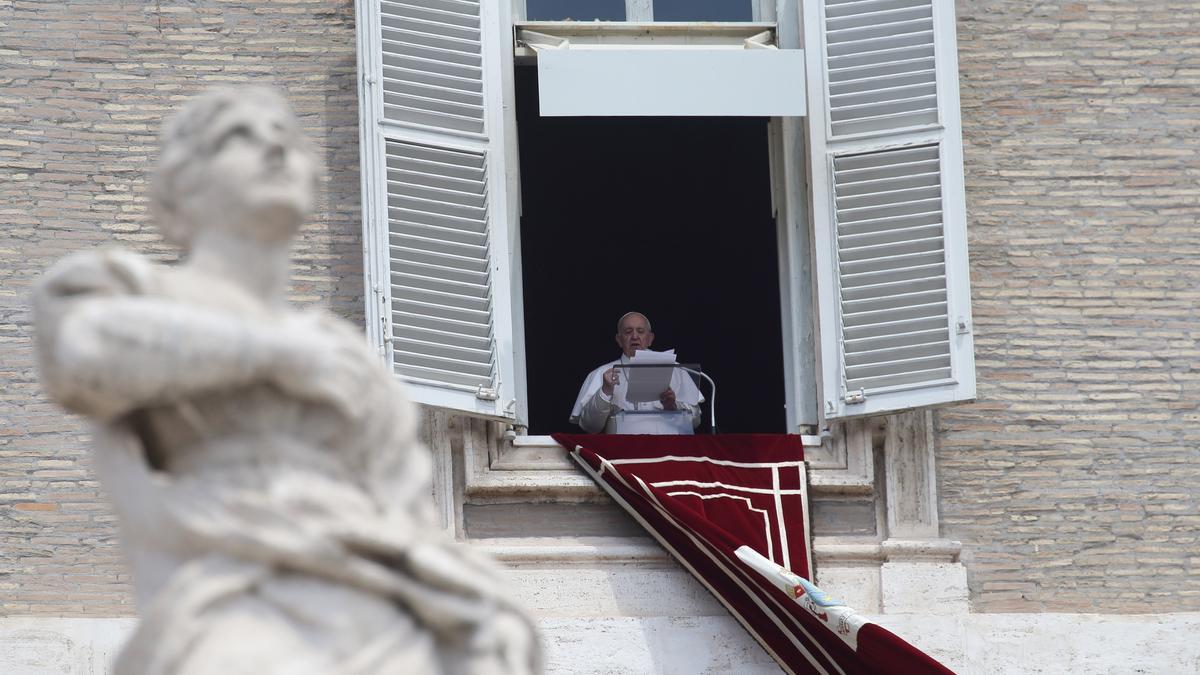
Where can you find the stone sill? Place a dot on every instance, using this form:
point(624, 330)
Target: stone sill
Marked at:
point(574, 551)
point(828, 483)
point(844, 550)
point(500, 487)
point(536, 469)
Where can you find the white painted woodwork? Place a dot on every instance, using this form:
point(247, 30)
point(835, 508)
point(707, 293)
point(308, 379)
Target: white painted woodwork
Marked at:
point(438, 201)
point(635, 35)
point(889, 215)
point(791, 205)
point(670, 82)
point(880, 65)
point(432, 64)
point(622, 34)
point(440, 272)
point(639, 10)
point(766, 10)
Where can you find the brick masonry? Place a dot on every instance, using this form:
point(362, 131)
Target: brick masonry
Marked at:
point(1074, 482)
point(83, 87)
point(1071, 482)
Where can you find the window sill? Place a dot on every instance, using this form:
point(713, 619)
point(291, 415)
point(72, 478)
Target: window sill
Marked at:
point(536, 468)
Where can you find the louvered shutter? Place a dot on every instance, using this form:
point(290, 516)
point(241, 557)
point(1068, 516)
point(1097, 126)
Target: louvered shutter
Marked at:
point(889, 219)
point(436, 198)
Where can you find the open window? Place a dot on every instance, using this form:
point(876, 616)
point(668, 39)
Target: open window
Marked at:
point(651, 145)
point(670, 216)
point(865, 193)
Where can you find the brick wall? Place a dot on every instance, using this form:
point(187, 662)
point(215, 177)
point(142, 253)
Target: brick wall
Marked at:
point(83, 87)
point(1074, 482)
point(1071, 482)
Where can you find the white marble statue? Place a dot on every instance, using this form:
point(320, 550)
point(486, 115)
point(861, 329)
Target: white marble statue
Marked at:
point(273, 501)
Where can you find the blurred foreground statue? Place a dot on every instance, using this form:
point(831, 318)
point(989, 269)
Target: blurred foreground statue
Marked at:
point(273, 501)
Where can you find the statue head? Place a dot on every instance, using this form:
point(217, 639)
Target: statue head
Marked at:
point(234, 159)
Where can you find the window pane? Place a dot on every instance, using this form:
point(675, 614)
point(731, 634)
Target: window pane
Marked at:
point(577, 10)
point(703, 10)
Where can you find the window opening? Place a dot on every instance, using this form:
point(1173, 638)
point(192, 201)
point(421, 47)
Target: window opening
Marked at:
point(668, 216)
point(703, 10)
point(575, 10)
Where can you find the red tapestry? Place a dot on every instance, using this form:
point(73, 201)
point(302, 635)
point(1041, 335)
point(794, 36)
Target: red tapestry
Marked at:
point(730, 509)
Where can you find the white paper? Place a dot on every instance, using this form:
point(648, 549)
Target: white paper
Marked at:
point(647, 384)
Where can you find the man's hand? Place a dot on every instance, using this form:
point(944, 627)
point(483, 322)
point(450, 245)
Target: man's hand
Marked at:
point(610, 381)
point(667, 398)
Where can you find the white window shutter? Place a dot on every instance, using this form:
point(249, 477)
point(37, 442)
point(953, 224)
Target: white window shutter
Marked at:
point(889, 216)
point(436, 200)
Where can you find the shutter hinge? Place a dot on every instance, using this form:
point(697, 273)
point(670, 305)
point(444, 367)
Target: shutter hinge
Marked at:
point(856, 396)
point(385, 332)
point(963, 326)
point(486, 393)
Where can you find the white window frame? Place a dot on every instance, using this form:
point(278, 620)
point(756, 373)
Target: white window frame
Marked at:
point(790, 204)
point(643, 10)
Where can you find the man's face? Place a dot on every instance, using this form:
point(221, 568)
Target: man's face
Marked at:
point(634, 334)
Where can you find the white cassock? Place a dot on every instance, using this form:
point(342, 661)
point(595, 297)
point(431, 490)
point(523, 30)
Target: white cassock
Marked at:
point(595, 412)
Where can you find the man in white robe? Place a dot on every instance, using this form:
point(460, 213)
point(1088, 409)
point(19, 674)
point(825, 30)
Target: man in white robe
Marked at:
point(603, 394)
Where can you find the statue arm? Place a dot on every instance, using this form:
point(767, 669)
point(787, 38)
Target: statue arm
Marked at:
point(106, 356)
point(104, 351)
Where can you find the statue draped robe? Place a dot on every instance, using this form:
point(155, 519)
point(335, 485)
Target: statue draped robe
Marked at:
point(269, 532)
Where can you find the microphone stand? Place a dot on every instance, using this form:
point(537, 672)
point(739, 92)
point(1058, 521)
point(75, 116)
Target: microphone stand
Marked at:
point(712, 405)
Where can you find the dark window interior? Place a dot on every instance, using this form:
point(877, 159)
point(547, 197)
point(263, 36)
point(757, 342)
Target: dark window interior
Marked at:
point(576, 10)
point(703, 10)
point(667, 216)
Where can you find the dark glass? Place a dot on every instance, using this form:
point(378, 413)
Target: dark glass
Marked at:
point(703, 10)
point(577, 10)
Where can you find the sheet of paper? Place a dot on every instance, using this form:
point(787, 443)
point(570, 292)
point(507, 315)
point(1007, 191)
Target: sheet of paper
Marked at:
point(647, 384)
